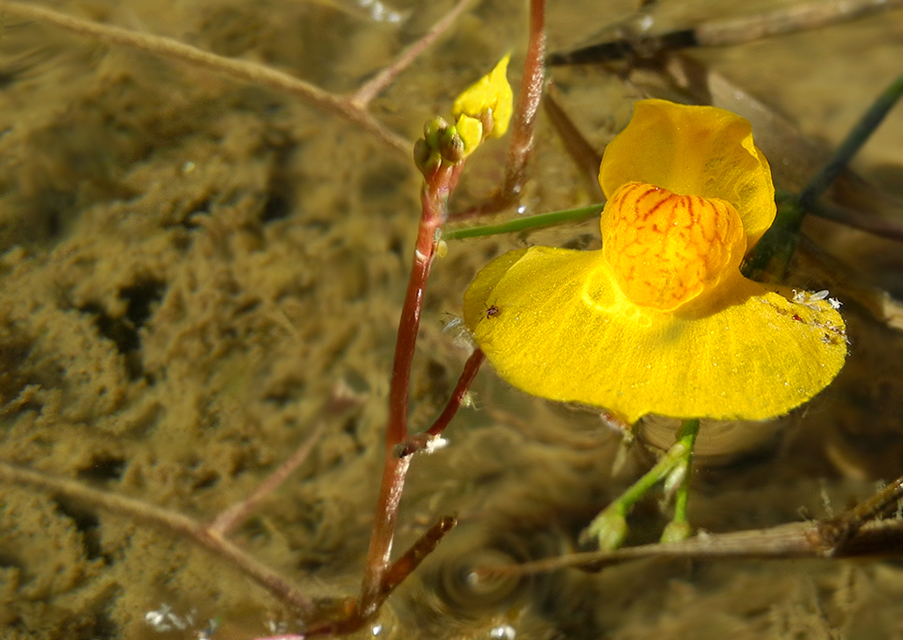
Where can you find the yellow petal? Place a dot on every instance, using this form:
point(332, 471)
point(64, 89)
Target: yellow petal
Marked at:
point(666, 249)
point(693, 150)
point(490, 93)
point(554, 323)
point(471, 132)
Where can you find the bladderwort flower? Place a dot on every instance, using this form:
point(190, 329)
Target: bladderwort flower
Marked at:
point(660, 320)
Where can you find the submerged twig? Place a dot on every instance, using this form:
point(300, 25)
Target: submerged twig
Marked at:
point(231, 517)
point(875, 225)
point(174, 522)
point(719, 33)
point(836, 532)
point(369, 90)
point(585, 156)
point(244, 70)
point(801, 17)
point(851, 535)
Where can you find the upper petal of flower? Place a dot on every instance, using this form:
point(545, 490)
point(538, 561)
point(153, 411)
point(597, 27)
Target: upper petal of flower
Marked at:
point(693, 151)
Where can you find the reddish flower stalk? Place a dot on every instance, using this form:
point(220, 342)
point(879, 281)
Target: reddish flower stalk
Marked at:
point(413, 444)
point(524, 120)
point(434, 199)
point(440, 182)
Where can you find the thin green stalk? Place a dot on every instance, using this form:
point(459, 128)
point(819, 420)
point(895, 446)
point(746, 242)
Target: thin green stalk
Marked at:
point(610, 526)
point(525, 223)
point(679, 527)
point(853, 142)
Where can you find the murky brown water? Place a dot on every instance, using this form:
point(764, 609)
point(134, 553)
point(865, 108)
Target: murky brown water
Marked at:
point(194, 270)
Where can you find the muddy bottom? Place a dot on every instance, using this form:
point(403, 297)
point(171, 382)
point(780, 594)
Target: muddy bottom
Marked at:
point(198, 274)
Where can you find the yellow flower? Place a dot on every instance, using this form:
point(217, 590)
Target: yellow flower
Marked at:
point(660, 320)
point(490, 97)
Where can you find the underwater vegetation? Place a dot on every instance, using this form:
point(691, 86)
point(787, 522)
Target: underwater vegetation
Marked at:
point(248, 297)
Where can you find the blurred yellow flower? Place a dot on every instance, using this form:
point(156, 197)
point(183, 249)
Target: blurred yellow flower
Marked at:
point(487, 101)
point(660, 320)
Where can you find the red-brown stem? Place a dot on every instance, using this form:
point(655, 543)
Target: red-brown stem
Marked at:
point(454, 403)
point(434, 199)
point(383, 534)
point(527, 107)
point(420, 441)
point(411, 559)
point(523, 120)
point(351, 620)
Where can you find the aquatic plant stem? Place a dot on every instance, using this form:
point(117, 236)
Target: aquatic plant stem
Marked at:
point(387, 576)
point(679, 527)
point(244, 70)
point(373, 87)
point(347, 616)
point(454, 403)
point(434, 201)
